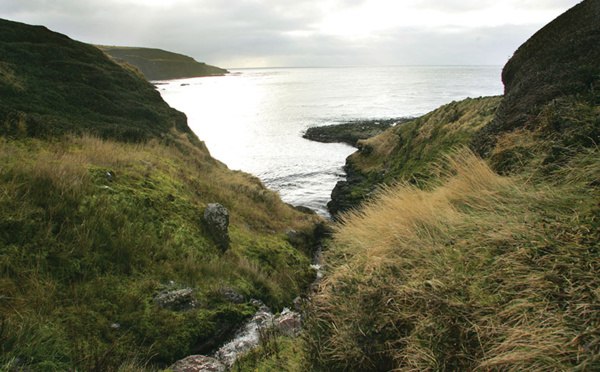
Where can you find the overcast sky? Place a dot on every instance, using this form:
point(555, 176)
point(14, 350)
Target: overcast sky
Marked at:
point(267, 33)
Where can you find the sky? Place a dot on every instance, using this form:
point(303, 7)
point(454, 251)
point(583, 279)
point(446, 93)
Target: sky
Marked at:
point(301, 33)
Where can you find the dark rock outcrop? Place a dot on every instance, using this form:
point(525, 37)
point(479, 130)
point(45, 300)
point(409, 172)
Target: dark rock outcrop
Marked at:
point(342, 196)
point(562, 58)
point(350, 133)
point(230, 295)
point(217, 221)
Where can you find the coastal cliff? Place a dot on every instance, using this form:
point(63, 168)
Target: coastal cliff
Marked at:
point(561, 60)
point(534, 77)
point(109, 257)
point(158, 64)
point(464, 263)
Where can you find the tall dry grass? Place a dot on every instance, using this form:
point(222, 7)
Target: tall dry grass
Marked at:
point(481, 272)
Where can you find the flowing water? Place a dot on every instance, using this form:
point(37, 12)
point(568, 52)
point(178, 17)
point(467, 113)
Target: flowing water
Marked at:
point(253, 119)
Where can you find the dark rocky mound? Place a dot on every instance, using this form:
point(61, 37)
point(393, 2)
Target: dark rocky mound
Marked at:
point(51, 85)
point(158, 64)
point(351, 132)
point(563, 58)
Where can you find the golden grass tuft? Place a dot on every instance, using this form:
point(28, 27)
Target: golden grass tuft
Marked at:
point(481, 272)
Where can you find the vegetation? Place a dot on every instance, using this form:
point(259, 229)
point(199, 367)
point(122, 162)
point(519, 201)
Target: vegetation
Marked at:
point(560, 59)
point(458, 262)
point(95, 221)
point(51, 85)
point(157, 64)
point(482, 264)
point(480, 272)
point(408, 150)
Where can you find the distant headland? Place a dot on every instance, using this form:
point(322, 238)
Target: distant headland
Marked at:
point(158, 64)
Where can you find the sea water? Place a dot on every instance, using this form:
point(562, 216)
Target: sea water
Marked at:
point(253, 119)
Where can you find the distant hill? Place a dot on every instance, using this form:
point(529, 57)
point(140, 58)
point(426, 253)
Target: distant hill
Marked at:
point(158, 64)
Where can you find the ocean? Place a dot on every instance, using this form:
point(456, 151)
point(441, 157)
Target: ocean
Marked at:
point(253, 119)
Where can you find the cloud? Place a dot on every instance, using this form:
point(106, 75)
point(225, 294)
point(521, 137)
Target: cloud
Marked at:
point(233, 33)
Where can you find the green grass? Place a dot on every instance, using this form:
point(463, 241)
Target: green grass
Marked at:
point(82, 253)
point(460, 263)
point(408, 150)
point(79, 252)
point(51, 85)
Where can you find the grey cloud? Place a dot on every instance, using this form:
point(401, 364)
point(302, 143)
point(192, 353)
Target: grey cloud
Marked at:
point(228, 30)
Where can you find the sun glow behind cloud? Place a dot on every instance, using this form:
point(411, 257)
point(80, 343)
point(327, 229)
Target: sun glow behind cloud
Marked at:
point(373, 17)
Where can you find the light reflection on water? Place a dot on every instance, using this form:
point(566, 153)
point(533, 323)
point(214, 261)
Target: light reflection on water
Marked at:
point(253, 119)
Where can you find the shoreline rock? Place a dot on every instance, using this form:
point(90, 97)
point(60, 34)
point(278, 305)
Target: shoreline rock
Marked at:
point(351, 132)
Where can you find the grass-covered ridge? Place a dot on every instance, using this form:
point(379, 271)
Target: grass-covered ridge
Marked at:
point(407, 151)
point(80, 252)
point(102, 193)
point(158, 64)
point(560, 59)
point(51, 85)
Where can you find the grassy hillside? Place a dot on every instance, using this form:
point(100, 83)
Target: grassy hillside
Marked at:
point(481, 272)
point(407, 151)
point(48, 82)
point(95, 222)
point(157, 64)
point(482, 264)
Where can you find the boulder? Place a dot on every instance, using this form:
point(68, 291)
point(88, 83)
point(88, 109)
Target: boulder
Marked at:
point(289, 323)
point(217, 221)
point(198, 363)
point(295, 238)
point(177, 300)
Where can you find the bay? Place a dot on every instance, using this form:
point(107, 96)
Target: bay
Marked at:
point(253, 119)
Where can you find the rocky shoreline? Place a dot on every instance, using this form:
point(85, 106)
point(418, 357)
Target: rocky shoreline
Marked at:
point(342, 196)
point(351, 132)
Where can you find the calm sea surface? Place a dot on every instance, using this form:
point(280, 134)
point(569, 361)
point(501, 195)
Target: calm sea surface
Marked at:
point(253, 119)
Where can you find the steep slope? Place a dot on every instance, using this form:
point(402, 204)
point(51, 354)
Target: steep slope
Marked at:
point(472, 269)
point(106, 260)
point(48, 82)
point(157, 64)
point(407, 151)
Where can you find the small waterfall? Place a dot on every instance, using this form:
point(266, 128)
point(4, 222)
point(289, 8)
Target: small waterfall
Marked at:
point(246, 338)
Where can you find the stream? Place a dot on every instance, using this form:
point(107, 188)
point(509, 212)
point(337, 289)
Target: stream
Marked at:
point(248, 336)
